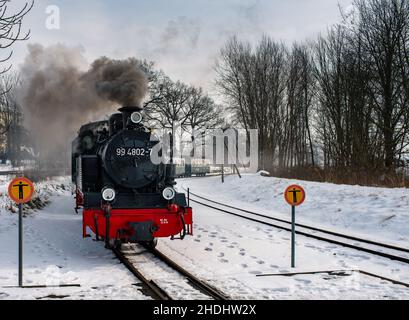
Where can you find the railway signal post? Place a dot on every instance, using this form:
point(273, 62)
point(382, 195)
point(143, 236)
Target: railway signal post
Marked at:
point(20, 191)
point(294, 195)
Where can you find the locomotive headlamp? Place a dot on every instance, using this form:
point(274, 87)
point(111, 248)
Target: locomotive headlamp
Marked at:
point(108, 194)
point(136, 117)
point(168, 193)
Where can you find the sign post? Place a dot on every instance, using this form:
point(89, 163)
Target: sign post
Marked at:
point(292, 236)
point(20, 245)
point(294, 195)
point(20, 191)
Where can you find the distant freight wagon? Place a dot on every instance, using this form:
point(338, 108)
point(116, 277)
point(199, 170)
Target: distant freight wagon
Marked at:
point(196, 167)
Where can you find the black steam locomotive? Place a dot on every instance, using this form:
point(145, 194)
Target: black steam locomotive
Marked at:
point(125, 196)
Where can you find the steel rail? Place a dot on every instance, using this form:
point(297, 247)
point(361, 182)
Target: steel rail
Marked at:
point(333, 233)
point(344, 244)
point(156, 291)
point(195, 281)
point(335, 272)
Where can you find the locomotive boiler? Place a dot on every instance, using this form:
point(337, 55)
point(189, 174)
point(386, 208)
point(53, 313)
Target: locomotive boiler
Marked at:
point(126, 197)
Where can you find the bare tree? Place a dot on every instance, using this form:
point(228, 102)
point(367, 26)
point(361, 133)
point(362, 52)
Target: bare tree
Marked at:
point(201, 111)
point(383, 27)
point(296, 143)
point(344, 99)
point(252, 80)
point(10, 117)
point(8, 105)
point(168, 102)
point(10, 32)
point(11, 27)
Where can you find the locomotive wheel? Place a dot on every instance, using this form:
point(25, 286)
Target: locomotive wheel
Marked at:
point(118, 244)
point(150, 244)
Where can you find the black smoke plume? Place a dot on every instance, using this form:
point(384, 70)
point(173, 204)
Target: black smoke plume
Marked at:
point(59, 92)
point(120, 81)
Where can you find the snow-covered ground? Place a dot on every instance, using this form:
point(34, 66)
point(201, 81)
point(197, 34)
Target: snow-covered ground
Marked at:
point(6, 167)
point(376, 213)
point(229, 252)
point(9, 167)
point(55, 253)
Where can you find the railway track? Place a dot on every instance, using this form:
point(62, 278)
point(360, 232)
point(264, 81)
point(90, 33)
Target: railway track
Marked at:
point(385, 250)
point(150, 286)
point(198, 288)
point(337, 272)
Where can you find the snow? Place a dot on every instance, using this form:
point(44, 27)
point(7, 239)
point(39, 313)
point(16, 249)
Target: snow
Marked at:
point(173, 283)
point(228, 252)
point(6, 167)
point(55, 253)
point(377, 213)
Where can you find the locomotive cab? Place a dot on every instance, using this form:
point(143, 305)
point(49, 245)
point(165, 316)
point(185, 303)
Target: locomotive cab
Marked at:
point(125, 196)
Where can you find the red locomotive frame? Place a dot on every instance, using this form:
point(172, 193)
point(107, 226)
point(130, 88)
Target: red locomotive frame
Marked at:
point(169, 221)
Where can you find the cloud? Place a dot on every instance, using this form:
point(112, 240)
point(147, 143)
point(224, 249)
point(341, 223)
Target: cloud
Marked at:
point(183, 37)
point(182, 31)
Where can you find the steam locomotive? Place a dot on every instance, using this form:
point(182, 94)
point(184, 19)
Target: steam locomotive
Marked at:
point(125, 197)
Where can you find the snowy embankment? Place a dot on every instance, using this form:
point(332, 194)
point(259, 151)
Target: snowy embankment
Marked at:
point(233, 253)
point(229, 252)
point(376, 213)
point(43, 192)
point(55, 252)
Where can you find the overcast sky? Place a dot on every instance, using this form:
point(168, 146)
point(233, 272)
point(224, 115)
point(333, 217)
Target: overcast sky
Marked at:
point(183, 37)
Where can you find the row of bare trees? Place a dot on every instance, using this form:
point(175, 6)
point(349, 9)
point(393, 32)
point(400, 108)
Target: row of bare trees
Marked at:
point(11, 30)
point(176, 105)
point(341, 101)
point(269, 88)
point(362, 72)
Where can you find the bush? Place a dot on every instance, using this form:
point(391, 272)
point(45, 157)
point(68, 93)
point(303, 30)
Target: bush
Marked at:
point(346, 175)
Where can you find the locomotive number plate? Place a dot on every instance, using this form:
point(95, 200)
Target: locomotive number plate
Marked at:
point(132, 152)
